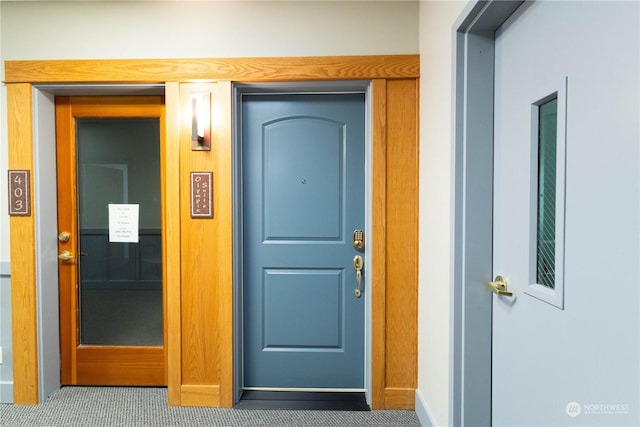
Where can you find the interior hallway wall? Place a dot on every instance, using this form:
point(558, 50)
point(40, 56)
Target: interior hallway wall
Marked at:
point(93, 30)
point(436, 210)
point(206, 29)
point(6, 374)
point(187, 29)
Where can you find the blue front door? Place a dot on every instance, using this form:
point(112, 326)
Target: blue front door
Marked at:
point(303, 197)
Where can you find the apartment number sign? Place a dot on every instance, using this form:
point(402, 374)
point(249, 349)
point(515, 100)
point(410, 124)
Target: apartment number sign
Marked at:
point(201, 194)
point(19, 197)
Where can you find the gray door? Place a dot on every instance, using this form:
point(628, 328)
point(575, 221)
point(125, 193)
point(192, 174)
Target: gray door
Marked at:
point(566, 216)
point(303, 197)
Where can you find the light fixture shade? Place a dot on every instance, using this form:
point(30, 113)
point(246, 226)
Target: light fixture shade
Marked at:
point(201, 121)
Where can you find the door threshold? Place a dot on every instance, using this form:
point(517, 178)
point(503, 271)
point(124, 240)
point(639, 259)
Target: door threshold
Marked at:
point(296, 400)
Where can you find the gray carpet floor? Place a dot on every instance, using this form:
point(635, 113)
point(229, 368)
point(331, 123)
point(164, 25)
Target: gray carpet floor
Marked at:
point(138, 406)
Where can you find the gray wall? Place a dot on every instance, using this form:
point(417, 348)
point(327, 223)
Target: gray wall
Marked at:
point(6, 368)
point(6, 374)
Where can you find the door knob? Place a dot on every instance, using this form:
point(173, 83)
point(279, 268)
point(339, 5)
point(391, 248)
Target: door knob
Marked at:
point(65, 256)
point(64, 236)
point(499, 287)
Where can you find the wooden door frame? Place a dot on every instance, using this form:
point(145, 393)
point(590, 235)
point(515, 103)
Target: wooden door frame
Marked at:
point(471, 323)
point(394, 136)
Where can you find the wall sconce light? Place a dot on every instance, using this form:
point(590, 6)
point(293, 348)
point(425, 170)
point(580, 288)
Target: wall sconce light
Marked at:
point(201, 121)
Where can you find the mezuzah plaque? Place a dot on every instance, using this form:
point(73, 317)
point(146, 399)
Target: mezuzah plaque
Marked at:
point(19, 197)
point(201, 194)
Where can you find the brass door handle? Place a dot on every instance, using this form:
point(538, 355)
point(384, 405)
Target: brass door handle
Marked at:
point(358, 263)
point(499, 287)
point(65, 256)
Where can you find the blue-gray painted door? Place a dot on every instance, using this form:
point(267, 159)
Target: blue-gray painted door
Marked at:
point(303, 196)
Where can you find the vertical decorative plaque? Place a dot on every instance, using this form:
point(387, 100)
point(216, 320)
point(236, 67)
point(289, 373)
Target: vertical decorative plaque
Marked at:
point(201, 194)
point(19, 197)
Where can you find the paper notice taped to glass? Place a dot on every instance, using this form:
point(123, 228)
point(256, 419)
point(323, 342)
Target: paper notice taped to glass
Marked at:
point(123, 223)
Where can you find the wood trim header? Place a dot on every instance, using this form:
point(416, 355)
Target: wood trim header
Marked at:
point(232, 69)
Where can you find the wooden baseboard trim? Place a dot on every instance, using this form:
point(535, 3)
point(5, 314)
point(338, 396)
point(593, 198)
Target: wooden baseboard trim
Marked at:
point(199, 395)
point(400, 398)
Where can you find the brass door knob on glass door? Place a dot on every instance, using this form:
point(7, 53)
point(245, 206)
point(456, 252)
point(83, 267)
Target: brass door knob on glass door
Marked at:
point(65, 256)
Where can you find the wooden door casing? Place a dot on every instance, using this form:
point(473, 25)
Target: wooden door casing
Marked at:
point(200, 371)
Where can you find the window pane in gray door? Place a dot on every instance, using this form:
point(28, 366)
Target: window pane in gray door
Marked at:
point(547, 166)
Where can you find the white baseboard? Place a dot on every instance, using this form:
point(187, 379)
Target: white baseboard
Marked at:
point(423, 412)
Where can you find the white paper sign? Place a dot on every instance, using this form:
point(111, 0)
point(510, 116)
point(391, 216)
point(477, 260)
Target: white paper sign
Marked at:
point(123, 223)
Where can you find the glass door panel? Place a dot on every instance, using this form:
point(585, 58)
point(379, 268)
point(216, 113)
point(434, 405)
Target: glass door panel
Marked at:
point(119, 221)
